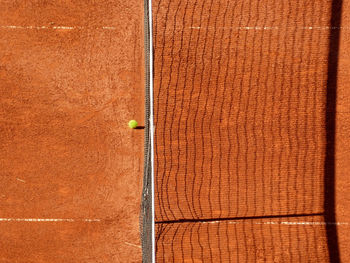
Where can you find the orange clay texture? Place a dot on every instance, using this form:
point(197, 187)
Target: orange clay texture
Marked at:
point(71, 77)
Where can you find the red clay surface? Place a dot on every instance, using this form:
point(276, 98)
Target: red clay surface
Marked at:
point(71, 77)
point(240, 103)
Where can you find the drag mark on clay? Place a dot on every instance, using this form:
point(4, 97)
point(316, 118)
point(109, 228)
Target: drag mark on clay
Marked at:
point(133, 245)
point(20, 180)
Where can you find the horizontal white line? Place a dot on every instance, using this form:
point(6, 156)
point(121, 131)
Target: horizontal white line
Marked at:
point(277, 27)
point(243, 27)
point(48, 220)
point(109, 27)
point(192, 27)
point(56, 27)
point(314, 223)
point(63, 27)
point(281, 223)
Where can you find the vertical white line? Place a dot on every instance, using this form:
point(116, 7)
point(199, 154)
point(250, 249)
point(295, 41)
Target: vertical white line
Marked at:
point(151, 124)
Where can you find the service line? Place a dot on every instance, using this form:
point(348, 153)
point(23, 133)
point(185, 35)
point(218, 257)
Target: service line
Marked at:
point(48, 220)
point(56, 27)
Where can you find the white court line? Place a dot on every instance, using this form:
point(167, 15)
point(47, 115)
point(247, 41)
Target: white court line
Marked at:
point(56, 27)
point(278, 28)
point(48, 220)
point(109, 27)
point(282, 223)
point(313, 223)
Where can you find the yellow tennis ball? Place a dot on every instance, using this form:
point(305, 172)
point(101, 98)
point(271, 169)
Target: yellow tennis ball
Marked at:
point(132, 124)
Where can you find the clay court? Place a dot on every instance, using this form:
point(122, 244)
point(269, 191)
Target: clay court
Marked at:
point(71, 78)
point(251, 118)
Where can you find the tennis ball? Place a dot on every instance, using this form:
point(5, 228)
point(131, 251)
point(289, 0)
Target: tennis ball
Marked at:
point(132, 124)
